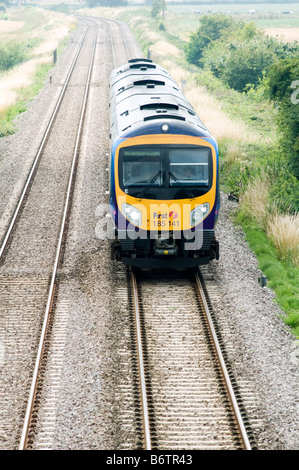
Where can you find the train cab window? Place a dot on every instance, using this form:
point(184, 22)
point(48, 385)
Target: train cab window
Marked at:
point(189, 167)
point(139, 168)
point(165, 172)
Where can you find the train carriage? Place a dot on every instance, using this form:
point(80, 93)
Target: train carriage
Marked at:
point(164, 189)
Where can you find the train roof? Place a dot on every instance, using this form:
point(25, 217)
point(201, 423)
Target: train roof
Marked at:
point(143, 93)
point(137, 66)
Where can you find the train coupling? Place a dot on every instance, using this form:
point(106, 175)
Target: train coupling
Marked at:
point(165, 247)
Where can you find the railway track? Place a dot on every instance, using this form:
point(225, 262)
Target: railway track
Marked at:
point(186, 395)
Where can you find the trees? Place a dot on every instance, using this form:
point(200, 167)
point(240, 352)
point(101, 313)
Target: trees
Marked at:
point(238, 63)
point(246, 63)
point(236, 52)
point(282, 85)
point(158, 6)
point(107, 3)
point(245, 59)
point(212, 27)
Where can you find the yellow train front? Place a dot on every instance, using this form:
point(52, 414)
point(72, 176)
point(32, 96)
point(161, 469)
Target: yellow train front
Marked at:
point(164, 190)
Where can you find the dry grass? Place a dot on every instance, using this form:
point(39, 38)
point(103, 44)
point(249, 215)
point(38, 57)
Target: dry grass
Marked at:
point(7, 26)
point(210, 111)
point(283, 229)
point(206, 106)
point(17, 78)
point(254, 200)
point(283, 34)
point(165, 48)
point(216, 120)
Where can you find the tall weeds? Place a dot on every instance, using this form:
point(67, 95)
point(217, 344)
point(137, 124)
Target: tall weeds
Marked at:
point(283, 229)
point(254, 200)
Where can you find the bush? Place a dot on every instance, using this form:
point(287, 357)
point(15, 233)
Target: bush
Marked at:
point(246, 63)
point(239, 64)
point(237, 52)
point(11, 54)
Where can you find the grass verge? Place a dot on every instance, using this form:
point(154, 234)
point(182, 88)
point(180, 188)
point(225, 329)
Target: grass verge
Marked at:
point(24, 96)
point(282, 276)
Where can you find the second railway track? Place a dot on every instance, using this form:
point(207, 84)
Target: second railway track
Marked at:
point(31, 249)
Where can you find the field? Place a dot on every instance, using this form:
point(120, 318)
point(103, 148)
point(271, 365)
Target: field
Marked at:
point(270, 17)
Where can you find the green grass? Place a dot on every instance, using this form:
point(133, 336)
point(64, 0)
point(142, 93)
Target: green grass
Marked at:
point(280, 22)
point(282, 277)
point(25, 95)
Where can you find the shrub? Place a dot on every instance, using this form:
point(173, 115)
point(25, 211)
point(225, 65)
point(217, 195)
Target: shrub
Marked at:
point(246, 63)
point(239, 64)
point(11, 54)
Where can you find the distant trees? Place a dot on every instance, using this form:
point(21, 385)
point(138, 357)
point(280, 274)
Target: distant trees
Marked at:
point(235, 51)
point(106, 3)
point(158, 7)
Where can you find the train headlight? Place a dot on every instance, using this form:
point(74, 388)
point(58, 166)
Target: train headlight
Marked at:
point(199, 213)
point(132, 214)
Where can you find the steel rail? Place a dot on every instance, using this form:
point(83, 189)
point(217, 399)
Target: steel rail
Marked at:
point(117, 23)
point(39, 152)
point(123, 38)
point(230, 391)
point(112, 47)
point(27, 419)
point(142, 384)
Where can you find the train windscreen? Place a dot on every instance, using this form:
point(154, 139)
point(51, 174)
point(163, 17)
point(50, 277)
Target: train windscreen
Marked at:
point(165, 172)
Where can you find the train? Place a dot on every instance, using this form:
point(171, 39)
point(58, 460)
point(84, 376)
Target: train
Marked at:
point(163, 172)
